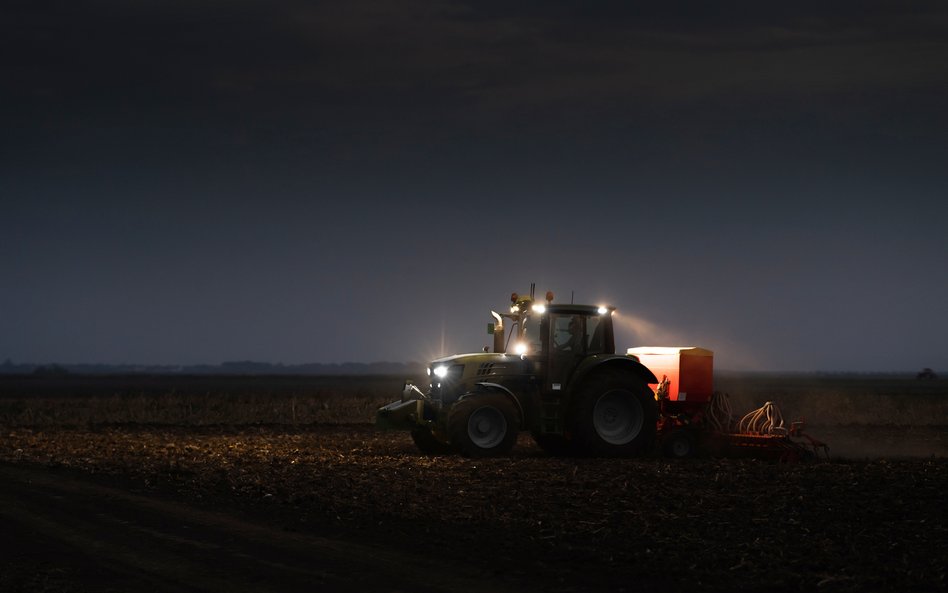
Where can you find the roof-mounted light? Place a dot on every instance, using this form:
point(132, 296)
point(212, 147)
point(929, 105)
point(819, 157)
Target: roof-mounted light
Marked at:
point(539, 308)
point(603, 310)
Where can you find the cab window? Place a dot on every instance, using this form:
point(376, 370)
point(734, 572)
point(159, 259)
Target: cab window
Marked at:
point(568, 333)
point(595, 341)
point(531, 333)
point(577, 334)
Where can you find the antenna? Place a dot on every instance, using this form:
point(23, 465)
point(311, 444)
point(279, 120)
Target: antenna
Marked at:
point(571, 296)
point(533, 286)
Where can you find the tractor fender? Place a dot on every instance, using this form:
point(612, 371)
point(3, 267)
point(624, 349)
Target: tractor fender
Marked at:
point(484, 388)
point(610, 362)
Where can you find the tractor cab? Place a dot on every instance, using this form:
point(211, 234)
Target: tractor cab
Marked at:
point(574, 334)
point(555, 338)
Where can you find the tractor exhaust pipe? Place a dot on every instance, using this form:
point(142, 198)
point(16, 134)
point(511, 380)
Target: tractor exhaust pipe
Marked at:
point(499, 344)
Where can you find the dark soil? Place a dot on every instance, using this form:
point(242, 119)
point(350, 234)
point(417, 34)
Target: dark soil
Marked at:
point(348, 508)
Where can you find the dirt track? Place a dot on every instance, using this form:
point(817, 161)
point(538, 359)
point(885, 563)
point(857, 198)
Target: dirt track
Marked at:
point(64, 532)
point(348, 509)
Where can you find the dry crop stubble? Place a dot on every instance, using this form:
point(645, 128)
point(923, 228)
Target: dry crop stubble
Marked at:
point(303, 454)
point(578, 522)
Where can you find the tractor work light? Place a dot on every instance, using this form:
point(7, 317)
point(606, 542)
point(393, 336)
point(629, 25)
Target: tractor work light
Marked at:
point(539, 308)
point(441, 371)
point(520, 348)
point(603, 310)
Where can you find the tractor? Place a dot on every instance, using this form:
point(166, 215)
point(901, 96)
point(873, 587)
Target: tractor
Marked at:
point(554, 372)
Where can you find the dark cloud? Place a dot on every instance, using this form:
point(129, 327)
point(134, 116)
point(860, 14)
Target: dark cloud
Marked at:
point(203, 55)
point(262, 172)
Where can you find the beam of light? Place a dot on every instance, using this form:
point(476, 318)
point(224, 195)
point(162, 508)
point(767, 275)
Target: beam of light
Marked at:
point(646, 333)
point(632, 330)
point(443, 332)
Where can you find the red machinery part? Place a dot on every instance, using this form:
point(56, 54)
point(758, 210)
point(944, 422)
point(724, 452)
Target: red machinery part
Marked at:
point(690, 370)
point(688, 403)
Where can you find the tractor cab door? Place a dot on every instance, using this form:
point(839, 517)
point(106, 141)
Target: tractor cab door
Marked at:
point(572, 338)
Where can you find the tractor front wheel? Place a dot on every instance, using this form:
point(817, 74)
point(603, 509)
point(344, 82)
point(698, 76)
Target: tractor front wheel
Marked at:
point(483, 425)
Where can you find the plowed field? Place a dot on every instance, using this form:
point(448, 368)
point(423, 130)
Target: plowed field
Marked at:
point(344, 507)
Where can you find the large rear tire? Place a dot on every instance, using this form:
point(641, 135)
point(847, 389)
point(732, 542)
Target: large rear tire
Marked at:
point(614, 415)
point(427, 443)
point(483, 425)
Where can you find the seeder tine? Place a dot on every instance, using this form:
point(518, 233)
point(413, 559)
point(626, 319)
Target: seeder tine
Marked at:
point(817, 446)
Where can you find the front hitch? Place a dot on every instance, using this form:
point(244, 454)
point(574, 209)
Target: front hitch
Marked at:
point(411, 393)
point(405, 413)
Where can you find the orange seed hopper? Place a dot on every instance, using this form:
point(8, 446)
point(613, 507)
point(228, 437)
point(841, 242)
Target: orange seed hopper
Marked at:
point(690, 370)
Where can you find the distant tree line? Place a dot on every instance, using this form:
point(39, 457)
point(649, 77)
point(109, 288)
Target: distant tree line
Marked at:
point(242, 367)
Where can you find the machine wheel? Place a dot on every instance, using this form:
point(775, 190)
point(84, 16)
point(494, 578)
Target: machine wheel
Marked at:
point(427, 443)
point(679, 444)
point(554, 444)
point(483, 425)
point(614, 415)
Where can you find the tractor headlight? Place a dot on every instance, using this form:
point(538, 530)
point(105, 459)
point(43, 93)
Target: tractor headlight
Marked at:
point(520, 348)
point(446, 382)
point(539, 308)
point(603, 310)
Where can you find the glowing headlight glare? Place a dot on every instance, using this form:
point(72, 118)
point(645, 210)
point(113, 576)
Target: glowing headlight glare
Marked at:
point(514, 309)
point(520, 348)
point(441, 371)
point(603, 310)
point(539, 308)
point(429, 371)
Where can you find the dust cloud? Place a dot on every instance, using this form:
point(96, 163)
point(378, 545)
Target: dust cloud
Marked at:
point(858, 416)
point(883, 442)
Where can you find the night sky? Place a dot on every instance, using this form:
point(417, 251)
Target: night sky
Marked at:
point(201, 181)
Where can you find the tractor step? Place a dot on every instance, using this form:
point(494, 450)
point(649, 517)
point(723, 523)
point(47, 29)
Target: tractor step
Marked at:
point(551, 420)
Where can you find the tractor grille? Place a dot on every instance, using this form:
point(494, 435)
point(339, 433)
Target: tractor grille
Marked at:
point(490, 368)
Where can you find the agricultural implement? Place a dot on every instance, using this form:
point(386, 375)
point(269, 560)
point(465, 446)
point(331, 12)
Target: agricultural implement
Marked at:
point(695, 419)
point(558, 376)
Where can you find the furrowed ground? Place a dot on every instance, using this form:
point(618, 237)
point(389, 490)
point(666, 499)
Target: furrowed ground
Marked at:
point(170, 498)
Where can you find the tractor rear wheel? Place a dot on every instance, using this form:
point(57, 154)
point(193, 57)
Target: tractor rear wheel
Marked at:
point(483, 425)
point(427, 443)
point(614, 415)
